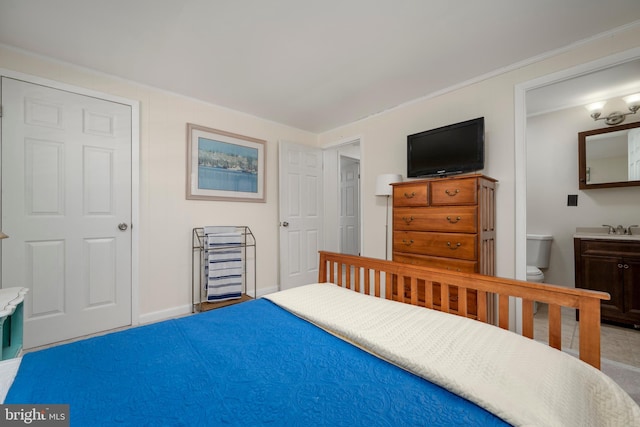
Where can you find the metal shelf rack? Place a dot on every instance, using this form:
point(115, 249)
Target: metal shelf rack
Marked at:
point(200, 254)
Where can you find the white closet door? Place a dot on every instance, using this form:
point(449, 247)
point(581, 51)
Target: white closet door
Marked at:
point(66, 205)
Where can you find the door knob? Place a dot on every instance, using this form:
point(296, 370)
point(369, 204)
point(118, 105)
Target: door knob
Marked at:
point(122, 226)
point(285, 224)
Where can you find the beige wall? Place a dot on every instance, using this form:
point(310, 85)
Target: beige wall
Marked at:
point(166, 217)
point(384, 136)
point(552, 174)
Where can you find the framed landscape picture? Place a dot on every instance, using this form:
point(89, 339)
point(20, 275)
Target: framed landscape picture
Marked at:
point(224, 166)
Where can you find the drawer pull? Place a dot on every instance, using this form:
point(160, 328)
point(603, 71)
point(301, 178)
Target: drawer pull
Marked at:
point(410, 196)
point(408, 220)
point(453, 248)
point(623, 265)
point(407, 242)
point(458, 218)
point(452, 193)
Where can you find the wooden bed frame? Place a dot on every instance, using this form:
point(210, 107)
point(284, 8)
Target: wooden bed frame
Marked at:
point(363, 274)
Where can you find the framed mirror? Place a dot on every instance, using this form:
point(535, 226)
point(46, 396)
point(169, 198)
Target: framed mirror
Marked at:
point(609, 157)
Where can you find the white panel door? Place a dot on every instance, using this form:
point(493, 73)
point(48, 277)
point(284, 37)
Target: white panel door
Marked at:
point(349, 206)
point(300, 186)
point(66, 205)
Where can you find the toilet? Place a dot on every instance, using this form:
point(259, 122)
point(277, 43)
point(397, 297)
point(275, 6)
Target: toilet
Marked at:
point(538, 254)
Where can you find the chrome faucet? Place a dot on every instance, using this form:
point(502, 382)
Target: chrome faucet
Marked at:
point(619, 229)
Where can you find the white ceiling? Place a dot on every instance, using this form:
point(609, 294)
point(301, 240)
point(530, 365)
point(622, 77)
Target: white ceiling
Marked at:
point(313, 65)
point(609, 84)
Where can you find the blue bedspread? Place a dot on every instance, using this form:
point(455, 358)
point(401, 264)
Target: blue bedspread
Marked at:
point(245, 365)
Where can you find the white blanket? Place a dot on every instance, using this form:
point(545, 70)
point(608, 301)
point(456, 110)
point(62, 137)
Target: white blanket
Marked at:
point(8, 371)
point(522, 381)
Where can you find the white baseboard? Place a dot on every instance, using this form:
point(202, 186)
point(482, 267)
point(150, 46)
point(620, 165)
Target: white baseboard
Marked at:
point(184, 310)
point(263, 292)
point(168, 313)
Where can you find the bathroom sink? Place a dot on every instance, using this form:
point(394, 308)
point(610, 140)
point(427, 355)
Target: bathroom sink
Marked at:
point(603, 233)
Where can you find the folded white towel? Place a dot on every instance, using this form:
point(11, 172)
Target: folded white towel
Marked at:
point(224, 263)
point(216, 229)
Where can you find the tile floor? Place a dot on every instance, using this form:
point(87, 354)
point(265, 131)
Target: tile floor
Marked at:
point(617, 343)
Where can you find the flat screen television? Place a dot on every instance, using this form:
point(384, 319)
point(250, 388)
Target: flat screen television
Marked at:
point(447, 150)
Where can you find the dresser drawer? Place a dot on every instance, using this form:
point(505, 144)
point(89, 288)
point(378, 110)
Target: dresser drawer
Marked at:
point(454, 219)
point(460, 265)
point(411, 194)
point(449, 245)
point(454, 192)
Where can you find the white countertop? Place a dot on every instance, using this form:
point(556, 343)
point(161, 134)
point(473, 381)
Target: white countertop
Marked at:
point(601, 233)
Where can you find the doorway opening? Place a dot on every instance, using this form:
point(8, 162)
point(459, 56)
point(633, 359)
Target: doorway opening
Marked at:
point(349, 205)
point(342, 211)
point(582, 79)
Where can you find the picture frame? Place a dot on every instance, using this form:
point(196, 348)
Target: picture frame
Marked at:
point(224, 166)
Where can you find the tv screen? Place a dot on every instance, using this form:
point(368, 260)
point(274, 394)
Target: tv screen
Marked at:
point(448, 150)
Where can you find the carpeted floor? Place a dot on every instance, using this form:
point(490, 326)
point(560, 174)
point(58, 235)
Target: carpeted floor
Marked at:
point(627, 377)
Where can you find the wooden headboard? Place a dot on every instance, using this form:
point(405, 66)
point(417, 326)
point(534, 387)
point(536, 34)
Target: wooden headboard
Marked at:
point(415, 285)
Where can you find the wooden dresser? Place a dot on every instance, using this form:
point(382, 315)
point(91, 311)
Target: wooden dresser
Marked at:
point(446, 223)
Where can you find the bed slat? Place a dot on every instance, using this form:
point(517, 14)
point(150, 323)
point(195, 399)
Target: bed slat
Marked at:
point(404, 282)
point(503, 311)
point(462, 302)
point(482, 306)
point(444, 298)
point(428, 289)
point(555, 326)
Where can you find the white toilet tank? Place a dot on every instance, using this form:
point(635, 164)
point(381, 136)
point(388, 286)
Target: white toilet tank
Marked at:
point(539, 250)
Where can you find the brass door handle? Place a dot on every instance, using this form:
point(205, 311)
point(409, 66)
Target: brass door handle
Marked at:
point(452, 193)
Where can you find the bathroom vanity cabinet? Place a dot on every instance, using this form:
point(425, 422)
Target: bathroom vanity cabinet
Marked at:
point(611, 266)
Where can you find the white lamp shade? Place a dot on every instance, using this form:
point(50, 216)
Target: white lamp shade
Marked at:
point(382, 183)
point(595, 107)
point(632, 100)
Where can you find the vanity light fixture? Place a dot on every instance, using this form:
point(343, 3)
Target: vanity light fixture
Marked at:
point(617, 117)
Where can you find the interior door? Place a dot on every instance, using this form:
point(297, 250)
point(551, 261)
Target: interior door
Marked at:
point(349, 206)
point(301, 231)
point(66, 205)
